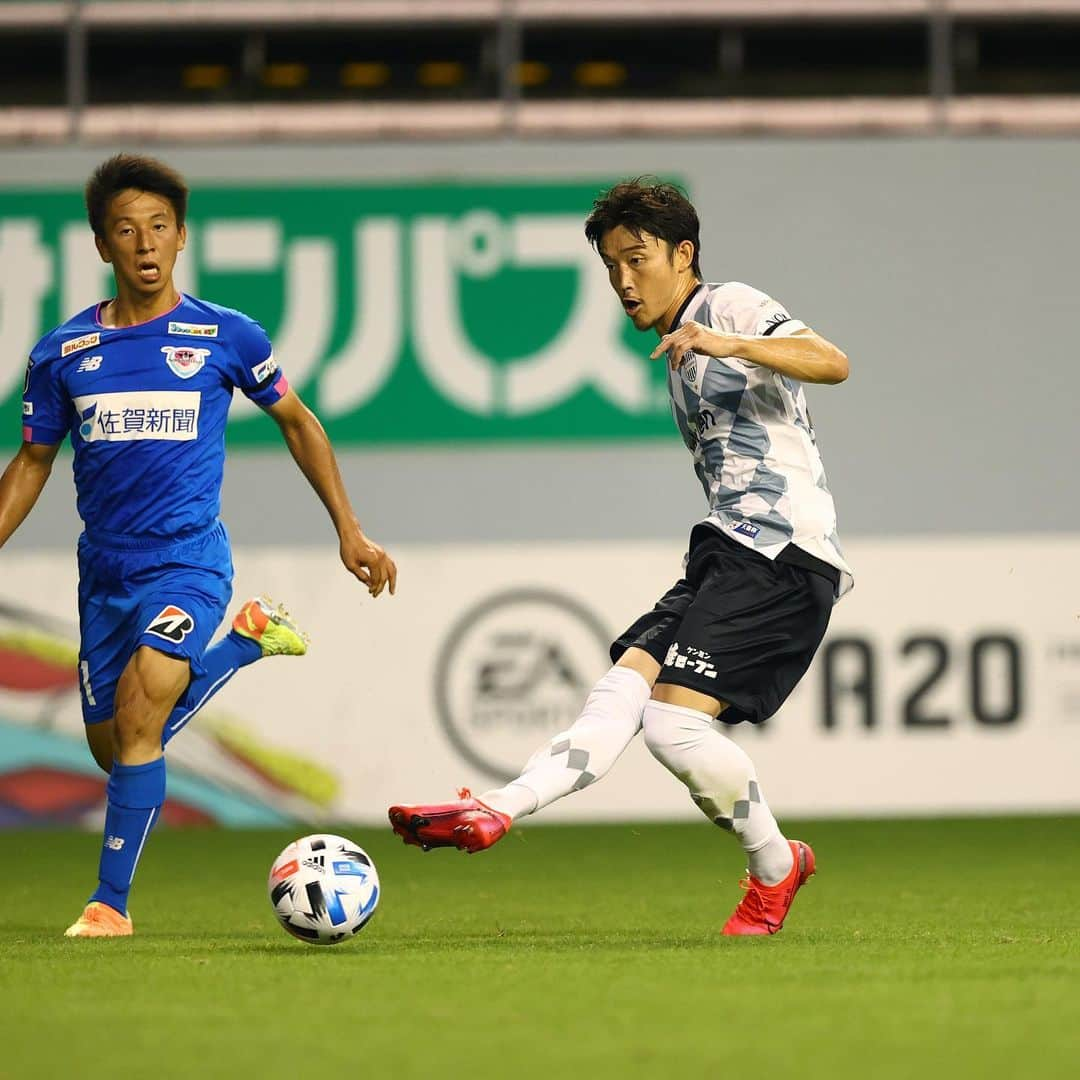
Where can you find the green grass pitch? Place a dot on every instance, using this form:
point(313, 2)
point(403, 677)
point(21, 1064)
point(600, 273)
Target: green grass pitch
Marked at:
point(921, 949)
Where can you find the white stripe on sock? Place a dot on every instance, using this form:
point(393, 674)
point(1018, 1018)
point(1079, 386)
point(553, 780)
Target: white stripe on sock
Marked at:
point(146, 832)
point(202, 701)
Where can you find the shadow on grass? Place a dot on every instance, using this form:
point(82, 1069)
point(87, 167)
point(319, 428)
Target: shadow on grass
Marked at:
point(493, 942)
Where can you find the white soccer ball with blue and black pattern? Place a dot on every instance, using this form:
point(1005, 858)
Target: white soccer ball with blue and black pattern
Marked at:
point(323, 888)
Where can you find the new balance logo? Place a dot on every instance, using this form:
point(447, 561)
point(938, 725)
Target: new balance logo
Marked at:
point(89, 363)
point(114, 843)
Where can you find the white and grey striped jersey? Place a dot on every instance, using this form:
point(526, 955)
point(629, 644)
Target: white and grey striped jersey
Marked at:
point(749, 431)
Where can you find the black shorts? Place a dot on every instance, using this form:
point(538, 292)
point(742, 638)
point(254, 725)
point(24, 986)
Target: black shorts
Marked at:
point(739, 627)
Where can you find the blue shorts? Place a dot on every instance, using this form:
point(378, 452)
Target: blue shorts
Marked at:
point(171, 598)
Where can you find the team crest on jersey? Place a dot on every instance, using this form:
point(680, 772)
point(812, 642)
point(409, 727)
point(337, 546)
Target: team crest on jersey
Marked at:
point(692, 370)
point(184, 361)
point(171, 623)
point(74, 345)
point(191, 329)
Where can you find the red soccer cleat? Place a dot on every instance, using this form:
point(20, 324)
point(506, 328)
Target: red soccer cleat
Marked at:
point(764, 907)
point(468, 824)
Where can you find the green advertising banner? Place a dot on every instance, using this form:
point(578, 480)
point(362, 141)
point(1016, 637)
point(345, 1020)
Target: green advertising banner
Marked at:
point(411, 313)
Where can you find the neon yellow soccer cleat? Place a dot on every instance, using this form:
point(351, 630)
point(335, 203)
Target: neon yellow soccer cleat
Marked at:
point(271, 628)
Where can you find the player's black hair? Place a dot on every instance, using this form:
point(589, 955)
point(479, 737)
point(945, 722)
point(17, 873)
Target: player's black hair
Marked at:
point(646, 205)
point(133, 171)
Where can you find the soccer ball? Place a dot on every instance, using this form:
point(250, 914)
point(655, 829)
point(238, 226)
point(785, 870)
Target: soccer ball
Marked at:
point(323, 888)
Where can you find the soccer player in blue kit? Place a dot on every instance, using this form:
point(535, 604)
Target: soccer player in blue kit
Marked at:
point(142, 384)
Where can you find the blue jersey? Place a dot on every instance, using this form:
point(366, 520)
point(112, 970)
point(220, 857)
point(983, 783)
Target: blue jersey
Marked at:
point(145, 407)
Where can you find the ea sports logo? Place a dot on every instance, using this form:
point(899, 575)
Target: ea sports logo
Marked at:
point(171, 623)
point(515, 669)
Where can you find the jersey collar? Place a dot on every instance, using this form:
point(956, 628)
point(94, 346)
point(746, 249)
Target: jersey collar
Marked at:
point(674, 325)
point(146, 322)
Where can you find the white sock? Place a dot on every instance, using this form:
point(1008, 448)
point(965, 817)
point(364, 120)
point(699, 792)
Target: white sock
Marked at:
point(515, 800)
point(584, 752)
point(722, 782)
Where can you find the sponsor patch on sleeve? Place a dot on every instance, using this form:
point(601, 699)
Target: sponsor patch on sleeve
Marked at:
point(263, 371)
point(28, 408)
point(775, 320)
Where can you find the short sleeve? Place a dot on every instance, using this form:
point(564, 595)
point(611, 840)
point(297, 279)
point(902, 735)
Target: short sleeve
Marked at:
point(749, 311)
point(46, 409)
point(256, 371)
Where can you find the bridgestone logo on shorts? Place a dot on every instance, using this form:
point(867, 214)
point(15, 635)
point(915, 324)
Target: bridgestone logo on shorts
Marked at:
point(171, 623)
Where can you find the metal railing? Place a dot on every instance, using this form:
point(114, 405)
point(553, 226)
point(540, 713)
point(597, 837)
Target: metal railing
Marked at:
point(508, 113)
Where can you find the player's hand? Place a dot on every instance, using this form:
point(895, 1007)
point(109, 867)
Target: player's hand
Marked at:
point(693, 337)
point(368, 562)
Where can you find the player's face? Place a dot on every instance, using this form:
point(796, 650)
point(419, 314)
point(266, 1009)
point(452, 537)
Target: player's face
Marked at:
point(141, 242)
point(649, 276)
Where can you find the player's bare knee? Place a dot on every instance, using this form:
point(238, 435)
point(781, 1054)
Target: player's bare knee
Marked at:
point(134, 730)
point(685, 698)
point(145, 695)
point(640, 661)
point(153, 680)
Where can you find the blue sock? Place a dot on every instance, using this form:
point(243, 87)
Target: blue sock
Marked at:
point(136, 794)
point(221, 662)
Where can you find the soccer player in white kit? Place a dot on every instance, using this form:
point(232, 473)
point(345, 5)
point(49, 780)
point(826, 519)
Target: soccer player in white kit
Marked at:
point(730, 640)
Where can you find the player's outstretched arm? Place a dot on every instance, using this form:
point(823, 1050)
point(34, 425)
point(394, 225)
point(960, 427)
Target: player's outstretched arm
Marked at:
point(804, 355)
point(311, 450)
point(22, 483)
